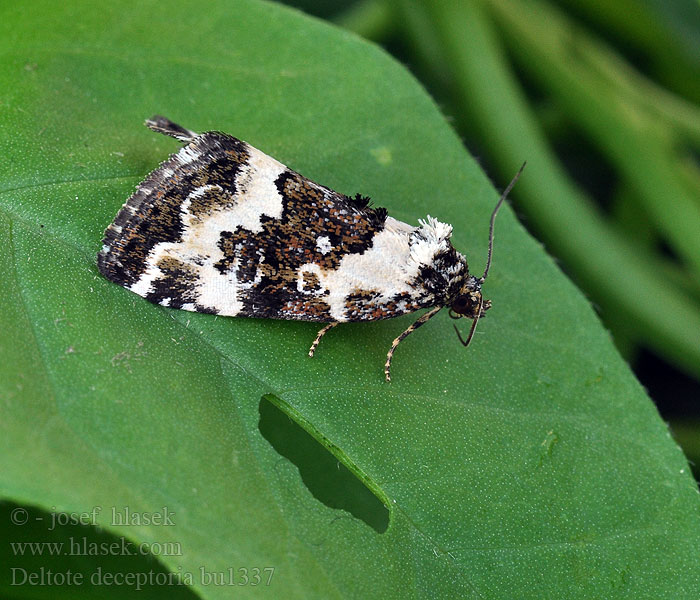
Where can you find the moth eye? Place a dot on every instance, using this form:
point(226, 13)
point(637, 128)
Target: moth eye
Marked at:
point(460, 304)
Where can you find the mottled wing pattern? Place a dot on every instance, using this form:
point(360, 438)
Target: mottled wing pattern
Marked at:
point(222, 228)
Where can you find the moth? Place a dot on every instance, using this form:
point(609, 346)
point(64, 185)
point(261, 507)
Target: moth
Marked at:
point(222, 228)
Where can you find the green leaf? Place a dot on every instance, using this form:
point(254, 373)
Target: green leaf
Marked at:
point(532, 465)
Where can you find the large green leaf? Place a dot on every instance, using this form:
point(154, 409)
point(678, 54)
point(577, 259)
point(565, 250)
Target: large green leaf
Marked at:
point(531, 465)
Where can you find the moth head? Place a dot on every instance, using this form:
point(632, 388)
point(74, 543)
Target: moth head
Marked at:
point(469, 302)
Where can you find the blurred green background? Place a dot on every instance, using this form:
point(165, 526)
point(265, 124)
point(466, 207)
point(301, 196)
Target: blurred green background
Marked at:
point(602, 99)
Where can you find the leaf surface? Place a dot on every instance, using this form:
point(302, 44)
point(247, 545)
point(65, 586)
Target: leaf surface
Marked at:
point(532, 465)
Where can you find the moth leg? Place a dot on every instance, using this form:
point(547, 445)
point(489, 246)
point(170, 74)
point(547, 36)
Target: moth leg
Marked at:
point(422, 320)
point(319, 336)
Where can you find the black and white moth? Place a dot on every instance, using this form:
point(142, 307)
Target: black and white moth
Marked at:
point(222, 228)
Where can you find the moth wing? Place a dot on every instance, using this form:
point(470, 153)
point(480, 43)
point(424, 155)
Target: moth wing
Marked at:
point(220, 227)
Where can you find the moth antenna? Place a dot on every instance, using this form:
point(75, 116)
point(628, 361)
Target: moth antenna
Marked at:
point(504, 195)
point(472, 329)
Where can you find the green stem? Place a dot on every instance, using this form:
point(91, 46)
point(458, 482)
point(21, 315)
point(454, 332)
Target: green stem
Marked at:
point(642, 27)
point(550, 48)
point(370, 19)
point(677, 112)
